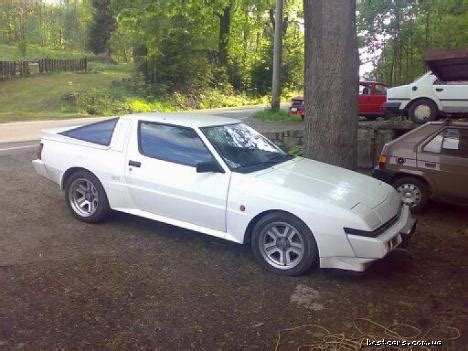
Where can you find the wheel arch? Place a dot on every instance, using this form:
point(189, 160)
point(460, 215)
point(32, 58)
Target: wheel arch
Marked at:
point(400, 175)
point(66, 175)
point(422, 98)
point(254, 221)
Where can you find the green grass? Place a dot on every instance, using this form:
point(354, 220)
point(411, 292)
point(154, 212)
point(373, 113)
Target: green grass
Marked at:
point(68, 94)
point(12, 53)
point(275, 116)
point(40, 96)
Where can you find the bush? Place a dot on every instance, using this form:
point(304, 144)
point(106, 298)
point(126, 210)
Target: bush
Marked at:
point(93, 102)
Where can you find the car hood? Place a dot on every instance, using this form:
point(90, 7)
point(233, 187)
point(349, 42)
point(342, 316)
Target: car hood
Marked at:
point(331, 184)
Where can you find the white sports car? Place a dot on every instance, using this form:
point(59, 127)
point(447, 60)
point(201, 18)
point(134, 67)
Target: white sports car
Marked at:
point(220, 177)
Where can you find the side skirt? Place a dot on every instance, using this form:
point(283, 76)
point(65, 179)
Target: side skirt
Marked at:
point(181, 224)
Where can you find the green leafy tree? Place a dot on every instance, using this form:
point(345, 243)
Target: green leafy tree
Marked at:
point(101, 28)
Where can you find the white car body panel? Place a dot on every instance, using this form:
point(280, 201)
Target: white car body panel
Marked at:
point(326, 198)
point(449, 98)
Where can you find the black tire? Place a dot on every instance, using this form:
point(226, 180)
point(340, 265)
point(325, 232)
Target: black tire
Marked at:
point(426, 105)
point(413, 186)
point(300, 263)
point(371, 118)
point(97, 196)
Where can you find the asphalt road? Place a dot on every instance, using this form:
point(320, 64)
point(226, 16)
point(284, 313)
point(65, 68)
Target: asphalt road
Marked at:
point(32, 130)
point(131, 283)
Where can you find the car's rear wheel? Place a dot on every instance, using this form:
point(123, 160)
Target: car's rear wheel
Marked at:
point(413, 192)
point(283, 244)
point(423, 111)
point(86, 197)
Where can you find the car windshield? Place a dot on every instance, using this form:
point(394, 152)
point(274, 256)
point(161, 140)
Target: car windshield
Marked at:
point(244, 149)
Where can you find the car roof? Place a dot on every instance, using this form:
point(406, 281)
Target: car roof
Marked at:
point(372, 82)
point(186, 119)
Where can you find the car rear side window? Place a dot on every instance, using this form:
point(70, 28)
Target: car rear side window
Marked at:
point(380, 89)
point(452, 141)
point(97, 133)
point(172, 143)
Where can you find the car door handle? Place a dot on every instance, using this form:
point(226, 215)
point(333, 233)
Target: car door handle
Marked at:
point(134, 163)
point(439, 89)
point(430, 164)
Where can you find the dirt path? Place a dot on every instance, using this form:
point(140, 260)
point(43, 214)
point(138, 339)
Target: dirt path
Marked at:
point(131, 283)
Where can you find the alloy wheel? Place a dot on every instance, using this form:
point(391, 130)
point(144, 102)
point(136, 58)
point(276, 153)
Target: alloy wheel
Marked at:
point(281, 245)
point(83, 197)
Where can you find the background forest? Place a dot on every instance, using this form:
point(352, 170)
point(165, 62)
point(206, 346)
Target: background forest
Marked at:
point(210, 53)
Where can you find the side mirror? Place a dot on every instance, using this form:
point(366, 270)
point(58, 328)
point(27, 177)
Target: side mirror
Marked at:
point(209, 167)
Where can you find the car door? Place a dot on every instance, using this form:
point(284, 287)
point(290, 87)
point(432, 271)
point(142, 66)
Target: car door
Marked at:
point(162, 176)
point(453, 96)
point(364, 100)
point(379, 96)
point(444, 159)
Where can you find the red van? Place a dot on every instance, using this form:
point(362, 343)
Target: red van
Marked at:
point(372, 96)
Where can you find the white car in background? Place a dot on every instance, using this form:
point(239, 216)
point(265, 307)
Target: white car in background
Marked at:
point(220, 177)
point(428, 98)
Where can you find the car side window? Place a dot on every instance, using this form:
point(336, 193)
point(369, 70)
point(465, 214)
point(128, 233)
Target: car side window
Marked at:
point(439, 82)
point(452, 141)
point(380, 89)
point(172, 143)
point(364, 89)
point(97, 133)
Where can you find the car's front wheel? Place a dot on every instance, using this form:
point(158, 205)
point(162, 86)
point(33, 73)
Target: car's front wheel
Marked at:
point(86, 197)
point(423, 111)
point(283, 244)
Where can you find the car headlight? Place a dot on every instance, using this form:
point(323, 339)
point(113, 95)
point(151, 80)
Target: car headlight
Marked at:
point(376, 232)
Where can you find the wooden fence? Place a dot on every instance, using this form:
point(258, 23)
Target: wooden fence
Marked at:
point(13, 69)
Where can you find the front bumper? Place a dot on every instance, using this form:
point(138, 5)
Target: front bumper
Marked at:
point(392, 107)
point(368, 249)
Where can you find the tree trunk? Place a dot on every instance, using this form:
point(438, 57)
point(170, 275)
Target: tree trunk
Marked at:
point(224, 28)
point(331, 82)
point(277, 52)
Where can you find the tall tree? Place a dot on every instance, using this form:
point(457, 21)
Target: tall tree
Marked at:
point(101, 28)
point(277, 53)
point(331, 81)
point(224, 29)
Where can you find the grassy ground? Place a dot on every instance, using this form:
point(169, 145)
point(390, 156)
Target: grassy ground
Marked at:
point(39, 96)
point(275, 116)
point(69, 95)
point(12, 53)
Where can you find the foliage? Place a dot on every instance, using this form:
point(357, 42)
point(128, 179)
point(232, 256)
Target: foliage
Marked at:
point(275, 116)
point(52, 25)
point(13, 53)
point(297, 150)
point(398, 32)
point(193, 45)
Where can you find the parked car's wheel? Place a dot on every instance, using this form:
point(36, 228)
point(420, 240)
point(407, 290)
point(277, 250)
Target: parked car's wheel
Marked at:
point(86, 197)
point(283, 244)
point(413, 192)
point(423, 111)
